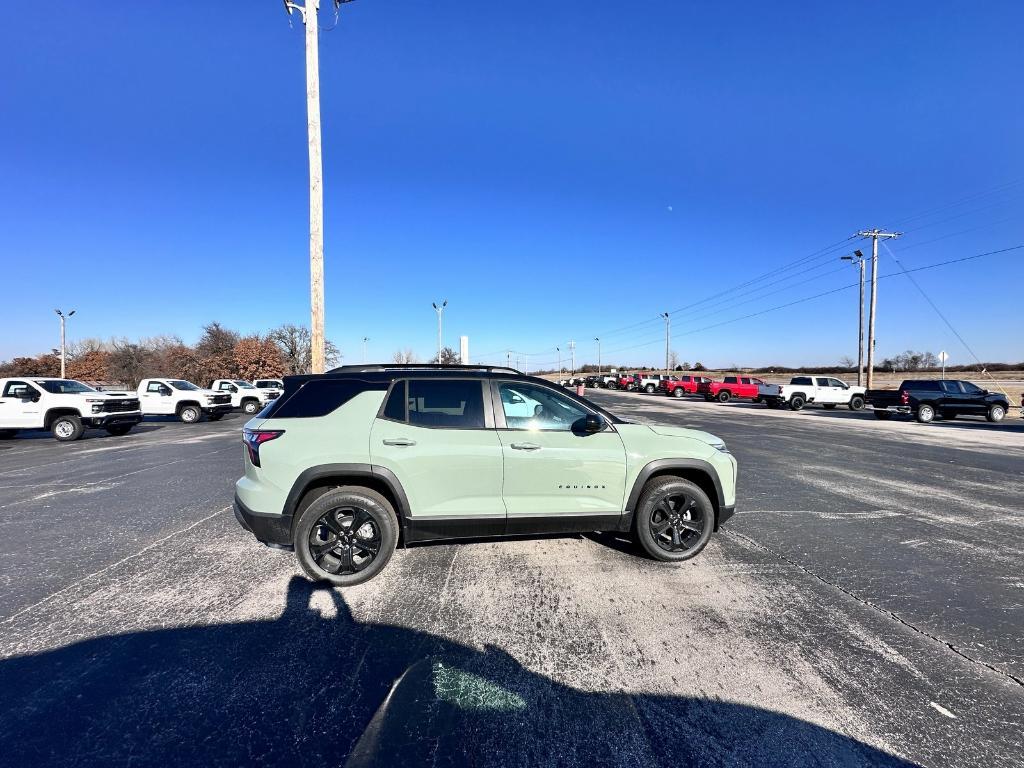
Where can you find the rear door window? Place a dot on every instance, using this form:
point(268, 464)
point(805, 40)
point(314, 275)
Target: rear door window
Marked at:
point(449, 403)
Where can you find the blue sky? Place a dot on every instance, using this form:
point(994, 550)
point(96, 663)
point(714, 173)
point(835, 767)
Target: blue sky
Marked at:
point(556, 171)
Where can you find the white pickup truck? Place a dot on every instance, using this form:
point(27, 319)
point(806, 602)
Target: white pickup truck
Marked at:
point(63, 406)
point(820, 390)
point(275, 386)
point(244, 395)
point(175, 397)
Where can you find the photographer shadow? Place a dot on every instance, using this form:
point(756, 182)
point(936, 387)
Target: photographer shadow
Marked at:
point(312, 688)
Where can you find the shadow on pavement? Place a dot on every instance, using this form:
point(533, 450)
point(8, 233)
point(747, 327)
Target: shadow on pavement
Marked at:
point(310, 688)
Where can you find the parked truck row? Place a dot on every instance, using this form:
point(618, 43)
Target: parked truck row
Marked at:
point(66, 408)
point(923, 399)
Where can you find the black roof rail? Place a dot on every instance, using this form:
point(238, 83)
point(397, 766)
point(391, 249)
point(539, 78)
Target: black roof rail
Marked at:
point(384, 367)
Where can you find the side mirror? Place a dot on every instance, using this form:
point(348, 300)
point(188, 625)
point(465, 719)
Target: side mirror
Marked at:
point(589, 424)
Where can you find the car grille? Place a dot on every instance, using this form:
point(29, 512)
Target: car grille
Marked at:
point(121, 405)
point(219, 399)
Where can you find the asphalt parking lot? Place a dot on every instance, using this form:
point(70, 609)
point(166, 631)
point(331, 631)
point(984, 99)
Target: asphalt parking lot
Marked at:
point(864, 607)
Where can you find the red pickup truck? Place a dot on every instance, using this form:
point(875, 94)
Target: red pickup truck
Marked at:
point(683, 385)
point(742, 387)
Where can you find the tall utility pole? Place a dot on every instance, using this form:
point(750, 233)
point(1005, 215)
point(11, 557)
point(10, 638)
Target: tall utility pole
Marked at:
point(572, 351)
point(668, 337)
point(598, 354)
point(365, 339)
point(858, 259)
point(559, 351)
point(874, 234)
point(440, 311)
point(508, 358)
point(63, 355)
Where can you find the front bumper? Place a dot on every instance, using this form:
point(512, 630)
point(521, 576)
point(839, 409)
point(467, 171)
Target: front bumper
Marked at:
point(111, 419)
point(218, 408)
point(272, 530)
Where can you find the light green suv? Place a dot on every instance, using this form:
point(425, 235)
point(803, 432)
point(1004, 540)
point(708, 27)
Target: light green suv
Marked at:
point(346, 465)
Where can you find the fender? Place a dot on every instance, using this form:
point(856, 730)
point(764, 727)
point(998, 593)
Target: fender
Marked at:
point(346, 471)
point(660, 466)
point(53, 413)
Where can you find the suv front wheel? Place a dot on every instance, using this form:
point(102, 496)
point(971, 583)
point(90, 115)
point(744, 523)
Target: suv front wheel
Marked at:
point(346, 536)
point(674, 519)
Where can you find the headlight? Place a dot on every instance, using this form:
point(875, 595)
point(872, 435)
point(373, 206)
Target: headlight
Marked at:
point(720, 446)
point(210, 398)
point(97, 408)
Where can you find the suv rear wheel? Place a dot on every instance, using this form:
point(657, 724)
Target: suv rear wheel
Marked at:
point(346, 536)
point(674, 519)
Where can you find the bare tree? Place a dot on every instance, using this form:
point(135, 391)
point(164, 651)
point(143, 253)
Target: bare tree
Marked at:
point(673, 360)
point(847, 362)
point(448, 356)
point(129, 363)
point(295, 344)
point(404, 356)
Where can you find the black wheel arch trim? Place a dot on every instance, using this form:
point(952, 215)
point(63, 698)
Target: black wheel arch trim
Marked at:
point(345, 472)
point(664, 466)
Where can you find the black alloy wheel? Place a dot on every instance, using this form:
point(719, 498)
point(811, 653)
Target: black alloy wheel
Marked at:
point(674, 519)
point(344, 541)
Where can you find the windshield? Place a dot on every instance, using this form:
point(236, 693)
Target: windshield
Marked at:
point(63, 386)
point(186, 385)
point(242, 384)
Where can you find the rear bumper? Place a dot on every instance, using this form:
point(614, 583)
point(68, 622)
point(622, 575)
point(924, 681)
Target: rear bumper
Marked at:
point(893, 408)
point(272, 530)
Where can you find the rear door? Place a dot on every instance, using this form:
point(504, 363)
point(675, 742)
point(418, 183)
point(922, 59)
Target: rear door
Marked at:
point(557, 477)
point(437, 437)
point(17, 408)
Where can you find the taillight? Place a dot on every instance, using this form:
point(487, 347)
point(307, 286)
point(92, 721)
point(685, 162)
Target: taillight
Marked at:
point(254, 438)
point(904, 397)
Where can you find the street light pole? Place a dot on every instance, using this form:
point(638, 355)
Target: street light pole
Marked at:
point(440, 311)
point(668, 337)
point(63, 354)
point(572, 351)
point(598, 354)
point(559, 351)
point(858, 259)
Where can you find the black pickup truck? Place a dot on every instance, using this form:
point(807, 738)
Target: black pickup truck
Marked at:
point(927, 399)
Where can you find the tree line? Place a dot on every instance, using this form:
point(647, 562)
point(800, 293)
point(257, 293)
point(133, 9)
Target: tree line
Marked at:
point(220, 353)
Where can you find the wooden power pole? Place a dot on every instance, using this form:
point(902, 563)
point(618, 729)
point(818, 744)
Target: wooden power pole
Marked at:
point(874, 234)
point(316, 190)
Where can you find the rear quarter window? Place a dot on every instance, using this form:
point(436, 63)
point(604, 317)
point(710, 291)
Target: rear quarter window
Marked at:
point(322, 396)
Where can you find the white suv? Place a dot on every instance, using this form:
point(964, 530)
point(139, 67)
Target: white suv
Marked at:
point(63, 406)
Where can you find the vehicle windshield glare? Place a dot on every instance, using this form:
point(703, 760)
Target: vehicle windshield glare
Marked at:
point(242, 384)
point(63, 386)
point(188, 386)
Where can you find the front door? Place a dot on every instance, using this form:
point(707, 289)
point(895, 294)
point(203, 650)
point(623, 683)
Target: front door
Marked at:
point(557, 478)
point(438, 439)
point(18, 410)
point(157, 398)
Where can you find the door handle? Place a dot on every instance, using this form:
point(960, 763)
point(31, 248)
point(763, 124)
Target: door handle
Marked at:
point(526, 446)
point(403, 441)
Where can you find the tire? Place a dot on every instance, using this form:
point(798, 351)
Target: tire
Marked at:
point(724, 395)
point(678, 392)
point(190, 414)
point(686, 509)
point(995, 413)
point(828, 406)
point(350, 508)
point(883, 415)
point(611, 385)
point(7, 434)
point(214, 416)
point(649, 389)
point(66, 429)
point(797, 402)
point(250, 406)
point(925, 413)
point(120, 429)
point(856, 403)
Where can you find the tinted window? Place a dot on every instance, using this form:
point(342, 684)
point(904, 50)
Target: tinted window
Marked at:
point(927, 386)
point(17, 389)
point(971, 389)
point(529, 406)
point(730, 379)
point(801, 381)
point(455, 403)
point(744, 380)
point(395, 408)
point(951, 387)
point(822, 382)
point(319, 397)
